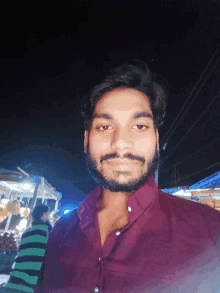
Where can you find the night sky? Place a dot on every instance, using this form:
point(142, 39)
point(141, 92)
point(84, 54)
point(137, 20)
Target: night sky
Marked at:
point(52, 54)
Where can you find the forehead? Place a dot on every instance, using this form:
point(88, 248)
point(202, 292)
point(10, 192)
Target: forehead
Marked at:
point(123, 100)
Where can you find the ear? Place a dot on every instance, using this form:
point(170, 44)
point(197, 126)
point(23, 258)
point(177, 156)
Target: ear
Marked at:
point(86, 138)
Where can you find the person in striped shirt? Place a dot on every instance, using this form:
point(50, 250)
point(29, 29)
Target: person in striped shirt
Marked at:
point(28, 262)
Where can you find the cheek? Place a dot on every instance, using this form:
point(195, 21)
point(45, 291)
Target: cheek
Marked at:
point(103, 146)
point(145, 145)
point(98, 144)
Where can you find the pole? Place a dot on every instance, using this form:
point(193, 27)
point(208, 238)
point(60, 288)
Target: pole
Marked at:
point(175, 175)
point(157, 175)
point(23, 172)
point(8, 221)
point(33, 201)
point(56, 205)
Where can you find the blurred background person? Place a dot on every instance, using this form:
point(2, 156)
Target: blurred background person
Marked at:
point(26, 269)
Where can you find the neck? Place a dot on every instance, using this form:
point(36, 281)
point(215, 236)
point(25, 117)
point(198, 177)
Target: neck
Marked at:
point(112, 200)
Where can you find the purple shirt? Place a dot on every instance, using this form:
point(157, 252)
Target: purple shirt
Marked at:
point(167, 242)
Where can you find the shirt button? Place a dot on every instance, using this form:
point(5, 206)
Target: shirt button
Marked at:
point(129, 209)
point(117, 233)
point(96, 289)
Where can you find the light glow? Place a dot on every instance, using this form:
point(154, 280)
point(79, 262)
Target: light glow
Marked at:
point(26, 186)
point(22, 224)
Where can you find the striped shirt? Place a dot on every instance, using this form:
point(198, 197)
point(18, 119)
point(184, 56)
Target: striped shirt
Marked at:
point(26, 268)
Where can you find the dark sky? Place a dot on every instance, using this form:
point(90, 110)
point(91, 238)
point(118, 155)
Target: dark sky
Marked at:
point(51, 54)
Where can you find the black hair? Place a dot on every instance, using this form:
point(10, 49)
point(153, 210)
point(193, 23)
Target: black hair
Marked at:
point(38, 212)
point(137, 76)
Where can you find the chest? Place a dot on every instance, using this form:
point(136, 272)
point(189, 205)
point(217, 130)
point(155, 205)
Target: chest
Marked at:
point(139, 254)
point(109, 222)
point(152, 248)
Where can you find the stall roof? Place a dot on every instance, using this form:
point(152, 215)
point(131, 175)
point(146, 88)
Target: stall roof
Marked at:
point(211, 182)
point(15, 184)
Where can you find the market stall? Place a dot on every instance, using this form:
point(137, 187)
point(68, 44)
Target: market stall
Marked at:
point(19, 193)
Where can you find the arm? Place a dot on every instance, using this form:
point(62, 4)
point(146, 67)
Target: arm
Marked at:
point(39, 288)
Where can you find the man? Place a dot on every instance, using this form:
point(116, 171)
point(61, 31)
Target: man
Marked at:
point(128, 236)
point(27, 266)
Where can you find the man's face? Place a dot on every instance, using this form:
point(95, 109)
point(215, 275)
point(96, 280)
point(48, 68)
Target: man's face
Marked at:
point(46, 216)
point(121, 145)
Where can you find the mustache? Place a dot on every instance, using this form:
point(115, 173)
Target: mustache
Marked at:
point(126, 156)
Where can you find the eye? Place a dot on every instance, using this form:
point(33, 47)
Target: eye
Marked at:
point(140, 127)
point(104, 127)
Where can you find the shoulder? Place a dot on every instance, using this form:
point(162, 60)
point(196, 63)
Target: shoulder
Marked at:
point(193, 211)
point(35, 236)
point(40, 230)
point(185, 205)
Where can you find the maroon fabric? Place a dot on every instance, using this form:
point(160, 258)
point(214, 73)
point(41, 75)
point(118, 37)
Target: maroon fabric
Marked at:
point(168, 244)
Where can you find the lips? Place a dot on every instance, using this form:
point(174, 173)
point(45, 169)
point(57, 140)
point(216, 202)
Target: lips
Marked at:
point(122, 162)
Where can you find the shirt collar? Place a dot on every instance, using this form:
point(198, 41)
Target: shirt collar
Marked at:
point(144, 198)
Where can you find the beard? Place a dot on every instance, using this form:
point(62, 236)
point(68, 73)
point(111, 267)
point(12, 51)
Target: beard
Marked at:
point(114, 185)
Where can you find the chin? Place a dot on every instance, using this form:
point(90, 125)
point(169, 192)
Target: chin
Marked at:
point(122, 181)
point(115, 186)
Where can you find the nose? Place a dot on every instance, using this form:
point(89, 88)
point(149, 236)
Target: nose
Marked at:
point(122, 140)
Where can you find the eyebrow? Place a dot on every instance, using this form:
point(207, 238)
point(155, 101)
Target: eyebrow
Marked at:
point(104, 115)
point(142, 114)
point(135, 116)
